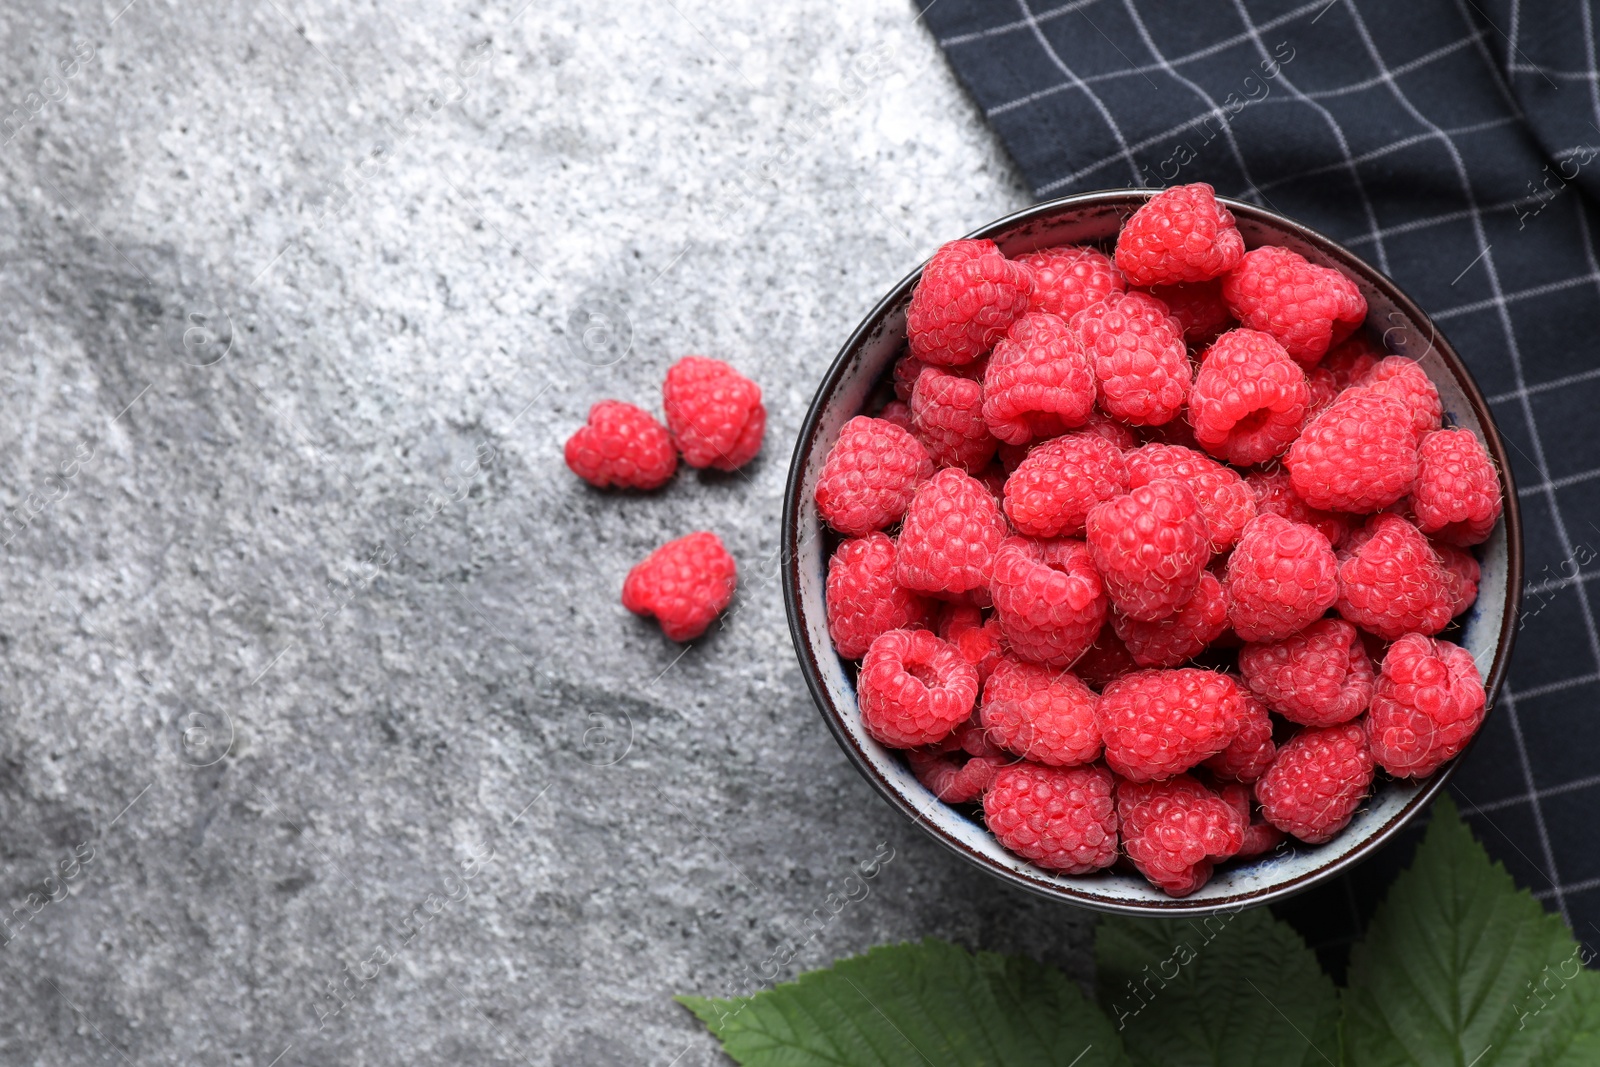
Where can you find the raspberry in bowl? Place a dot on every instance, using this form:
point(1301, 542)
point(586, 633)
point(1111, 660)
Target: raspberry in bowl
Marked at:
point(1152, 552)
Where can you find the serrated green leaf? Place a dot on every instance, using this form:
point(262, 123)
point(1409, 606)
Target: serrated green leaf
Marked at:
point(1459, 967)
point(1230, 990)
point(915, 1005)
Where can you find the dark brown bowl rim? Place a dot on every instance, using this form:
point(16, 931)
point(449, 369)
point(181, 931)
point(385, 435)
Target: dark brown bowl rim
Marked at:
point(792, 504)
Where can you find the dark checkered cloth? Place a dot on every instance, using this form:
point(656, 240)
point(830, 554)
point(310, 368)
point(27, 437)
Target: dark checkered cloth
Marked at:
point(1456, 145)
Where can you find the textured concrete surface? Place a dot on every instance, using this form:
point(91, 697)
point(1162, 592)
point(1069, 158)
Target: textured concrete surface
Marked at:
point(324, 738)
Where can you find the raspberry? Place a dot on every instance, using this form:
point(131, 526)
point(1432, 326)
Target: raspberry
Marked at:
point(1068, 278)
point(1039, 381)
point(966, 298)
point(1225, 501)
point(1040, 714)
point(1408, 383)
point(1317, 782)
point(863, 598)
point(976, 638)
point(1322, 389)
point(950, 534)
point(952, 781)
point(1048, 598)
point(1428, 703)
point(1359, 455)
point(907, 369)
point(947, 411)
point(1160, 723)
point(1275, 495)
point(870, 475)
point(1180, 235)
point(1174, 831)
point(1140, 364)
point(1259, 837)
point(1320, 676)
point(1177, 432)
point(622, 445)
point(1393, 583)
point(1249, 398)
point(1350, 360)
point(1456, 498)
point(1107, 659)
point(1199, 309)
point(1306, 307)
point(1052, 489)
point(1281, 577)
point(1180, 636)
point(714, 413)
point(1060, 818)
point(685, 584)
point(1461, 573)
point(1249, 754)
point(1150, 547)
point(914, 689)
point(1113, 431)
point(898, 412)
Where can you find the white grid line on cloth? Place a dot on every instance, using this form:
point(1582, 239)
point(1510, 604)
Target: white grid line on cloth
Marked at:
point(1395, 146)
point(1511, 298)
point(1488, 61)
point(1459, 215)
point(1012, 27)
point(1555, 383)
point(1558, 483)
point(1564, 75)
point(1576, 887)
point(1511, 38)
point(1404, 68)
point(1553, 791)
point(1556, 687)
point(1552, 875)
point(1556, 584)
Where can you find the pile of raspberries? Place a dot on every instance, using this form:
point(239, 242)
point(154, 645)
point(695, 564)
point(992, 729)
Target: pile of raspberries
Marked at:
point(1149, 553)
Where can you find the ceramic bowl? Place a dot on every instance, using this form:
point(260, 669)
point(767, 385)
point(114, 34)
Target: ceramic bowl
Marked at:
point(865, 361)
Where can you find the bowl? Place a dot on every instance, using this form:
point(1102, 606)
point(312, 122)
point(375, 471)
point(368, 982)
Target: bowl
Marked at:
point(1094, 218)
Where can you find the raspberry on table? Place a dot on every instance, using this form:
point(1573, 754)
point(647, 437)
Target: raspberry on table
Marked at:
point(685, 584)
point(622, 445)
point(1282, 576)
point(947, 411)
point(950, 535)
point(1249, 398)
point(1158, 723)
point(1151, 547)
point(1199, 309)
point(1041, 714)
point(1039, 381)
point(1317, 782)
point(1225, 500)
point(1306, 307)
point(1175, 830)
point(1069, 278)
point(1141, 367)
point(1359, 455)
point(1350, 359)
point(1106, 660)
point(1048, 598)
point(1275, 495)
point(1059, 818)
point(1249, 754)
point(968, 295)
point(1393, 583)
point(977, 639)
point(714, 413)
point(951, 780)
point(864, 599)
point(914, 689)
point(1180, 235)
point(1428, 703)
point(1259, 837)
point(1050, 492)
point(1320, 676)
point(1462, 574)
point(1408, 383)
point(1456, 498)
point(870, 475)
point(1180, 636)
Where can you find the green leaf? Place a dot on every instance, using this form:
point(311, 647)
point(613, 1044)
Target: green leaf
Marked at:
point(1236, 989)
point(1459, 967)
point(922, 1004)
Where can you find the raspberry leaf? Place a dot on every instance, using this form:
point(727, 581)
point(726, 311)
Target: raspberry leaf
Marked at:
point(1235, 989)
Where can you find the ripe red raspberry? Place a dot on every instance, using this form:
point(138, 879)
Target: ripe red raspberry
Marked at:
point(1043, 715)
point(1174, 831)
point(1317, 782)
point(1249, 754)
point(1199, 309)
point(1052, 489)
point(1275, 495)
point(1048, 598)
point(947, 411)
point(1160, 723)
point(951, 780)
point(898, 412)
point(1225, 501)
point(622, 445)
point(1177, 432)
point(1060, 818)
point(1322, 389)
point(1359, 455)
point(714, 413)
point(1180, 235)
point(1428, 703)
point(968, 294)
point(978, 639)
point(871, 473)
point(1068, 278)
point(1408, 383)
point(685, 584)
point(1150, 546)
point(1259, 837)
point(1393, 584)
point(1456, 498)
point(1320, 676)
point(1351, 359)
point(1282, 576)
point(1249, 398)
point(1107, 660)
point(1461, 572)
point(1306, 307)
point(950, 534)
point(863, 598)
point(1104, 425)
point(914, 689)
point(1039, 381)
point(1140, 364)
point(1180, 636)
point(907, 369)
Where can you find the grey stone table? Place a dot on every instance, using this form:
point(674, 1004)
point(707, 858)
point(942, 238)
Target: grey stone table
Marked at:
point(324, 737)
